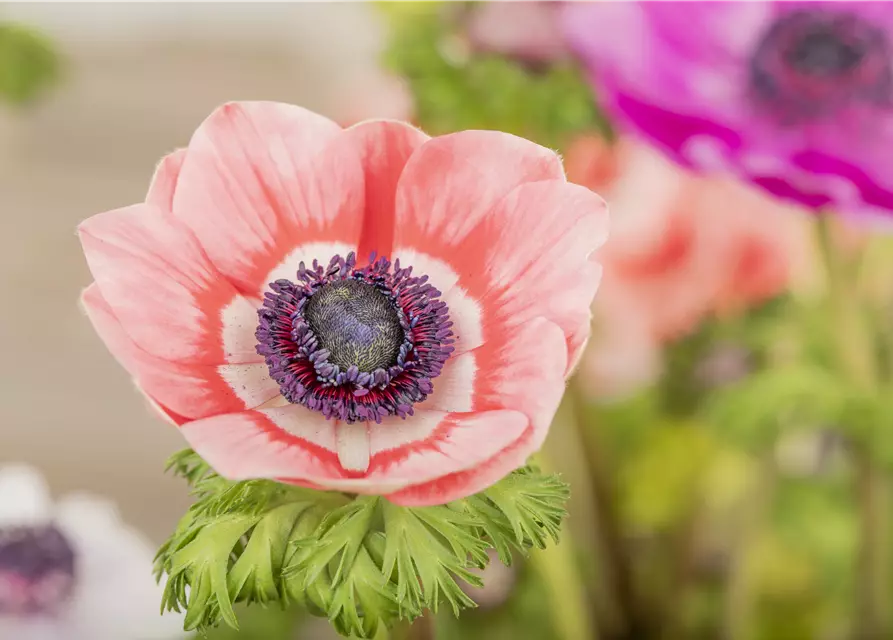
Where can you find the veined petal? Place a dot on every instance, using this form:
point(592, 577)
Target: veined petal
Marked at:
point(262, 178)
point(284, 442)
point(528, 255)
point(384, 147)
point(188, 389)
point(522, 369)
point(296, 445)
point(432, 444)
point(525, 373)
point(161, 287)
point(452, 182)
point(468, 482)
point(164, 182)
point(539, 263)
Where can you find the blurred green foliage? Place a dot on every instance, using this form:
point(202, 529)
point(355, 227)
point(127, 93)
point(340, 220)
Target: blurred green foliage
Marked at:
point(262, 623)
point(455, 88)
point(28, 64)
point(526, 608)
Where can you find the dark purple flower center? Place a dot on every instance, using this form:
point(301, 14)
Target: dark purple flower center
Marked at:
point(357, 324)
point(812, 63)
point(354, 343)
point(37, 569)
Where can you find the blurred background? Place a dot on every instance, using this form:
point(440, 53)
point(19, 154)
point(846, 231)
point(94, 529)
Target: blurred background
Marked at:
point(720, 484)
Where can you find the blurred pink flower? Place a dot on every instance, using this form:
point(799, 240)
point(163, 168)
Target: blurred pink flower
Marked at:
point(795, 97)
point(624, 355)
point(242, 298)
point(682, 248)
point(529, 31)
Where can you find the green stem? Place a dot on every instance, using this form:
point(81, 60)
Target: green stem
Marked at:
point(566, 444)
point(616, 561)
point(682, 546)
point(559, 570)
point(857, 360)
point(740, 594)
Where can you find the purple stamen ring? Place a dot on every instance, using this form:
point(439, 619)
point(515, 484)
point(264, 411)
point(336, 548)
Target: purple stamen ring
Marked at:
point(355, 344)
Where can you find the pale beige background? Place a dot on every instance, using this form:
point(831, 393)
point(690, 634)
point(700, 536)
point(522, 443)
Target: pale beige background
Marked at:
point(139, 78)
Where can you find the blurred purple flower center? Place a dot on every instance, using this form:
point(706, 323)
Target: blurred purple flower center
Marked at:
point(811, 64)
point(37, 570)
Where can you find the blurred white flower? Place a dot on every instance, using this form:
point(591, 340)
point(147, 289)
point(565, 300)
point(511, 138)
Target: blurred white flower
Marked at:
point(73, 570)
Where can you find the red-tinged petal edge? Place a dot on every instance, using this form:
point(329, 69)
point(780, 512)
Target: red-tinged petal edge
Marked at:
point(164, 182)
point(384, 147)
point(180, 390)
point(510, 239)
point(164, 292)
point(266, 185)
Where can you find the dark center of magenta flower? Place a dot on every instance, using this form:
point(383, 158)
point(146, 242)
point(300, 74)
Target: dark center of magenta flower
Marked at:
point(37, 569)
point(355, 344)
point(812, 63)
point(821, 52)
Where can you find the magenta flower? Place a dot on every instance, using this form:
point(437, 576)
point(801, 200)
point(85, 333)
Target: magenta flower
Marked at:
point(796, 97)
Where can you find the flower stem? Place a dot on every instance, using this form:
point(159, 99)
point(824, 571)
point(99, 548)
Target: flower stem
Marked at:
point(559, 570)
point(616, 561)
point(857, 360)
point(740, 596)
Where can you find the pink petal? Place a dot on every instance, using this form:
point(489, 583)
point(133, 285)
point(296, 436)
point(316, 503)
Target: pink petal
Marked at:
point(454, 387)
point(433, 444)
point(435, 457)
point(523, 369)
point(188, 389)
point(445, 195)
point(164, 183)
point(451, 182)
point(260, 180)
point(468, 482)
point(384, 147)
point(285, 442)
point(527, 255)
point(293, 444)
point(161, 287)
point(535, 259)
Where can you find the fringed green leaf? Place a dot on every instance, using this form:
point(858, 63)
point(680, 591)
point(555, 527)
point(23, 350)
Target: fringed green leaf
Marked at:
point(362, 562)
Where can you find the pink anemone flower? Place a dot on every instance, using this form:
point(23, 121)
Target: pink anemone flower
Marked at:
point(796, 97)
point(242, 298)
